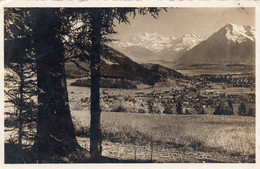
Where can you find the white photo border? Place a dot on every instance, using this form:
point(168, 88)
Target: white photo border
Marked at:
point(132, 3)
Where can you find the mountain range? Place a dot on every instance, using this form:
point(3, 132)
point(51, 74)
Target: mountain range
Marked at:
point(155, 48)
point(231, 45)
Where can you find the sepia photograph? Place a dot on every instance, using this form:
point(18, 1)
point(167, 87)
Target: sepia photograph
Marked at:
point(129, 85)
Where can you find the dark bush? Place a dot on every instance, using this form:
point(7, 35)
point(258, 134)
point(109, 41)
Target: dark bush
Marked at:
point(242, 110)
point(119, 109)
point(141, 111)
point(251, 112)
point(224, 108)
point(168, 110)
point(201, 111)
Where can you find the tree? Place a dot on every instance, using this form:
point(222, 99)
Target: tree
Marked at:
point(242, 110)
point(99, 23)
point(18, 57)
point(179, 108)
point(95, 127)
point(55, 130)
point(224, 108)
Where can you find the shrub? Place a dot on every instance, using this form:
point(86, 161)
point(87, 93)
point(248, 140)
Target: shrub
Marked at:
point(141, 111)
point(224, 108)
point(168, 109)
point(251, 112)
point(120, 108)
point(201, 111)
point(179, 108)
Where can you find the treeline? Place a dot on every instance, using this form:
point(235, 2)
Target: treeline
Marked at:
point(223, 108)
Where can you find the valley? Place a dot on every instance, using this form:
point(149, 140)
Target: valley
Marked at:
point(144, 122)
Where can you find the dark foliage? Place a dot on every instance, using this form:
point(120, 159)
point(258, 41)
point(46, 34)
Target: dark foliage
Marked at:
point(107, 83)
point(20, 62)
point(224, 108)
point(179, 108)
point(251, 112)
point(242, 110)
point(202, 111)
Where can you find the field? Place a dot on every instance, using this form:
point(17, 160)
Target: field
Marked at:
point(167, 138)
point(173, 138)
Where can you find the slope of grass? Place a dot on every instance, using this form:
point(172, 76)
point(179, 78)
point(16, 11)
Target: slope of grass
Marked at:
point(234, 135)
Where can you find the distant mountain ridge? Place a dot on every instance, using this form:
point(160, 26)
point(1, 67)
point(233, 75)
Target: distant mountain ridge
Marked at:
point(232, 44)
point(154, 48)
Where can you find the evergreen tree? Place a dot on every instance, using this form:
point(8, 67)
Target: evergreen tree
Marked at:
point(49, 26)
point(55, 130)
point(99, 23)
point(19, 58)
point(179, 108)
point(242, 110)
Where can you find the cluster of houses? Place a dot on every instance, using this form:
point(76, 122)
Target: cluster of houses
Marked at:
point(197, 96)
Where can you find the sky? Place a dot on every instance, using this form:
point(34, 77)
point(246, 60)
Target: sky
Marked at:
point(180, 21)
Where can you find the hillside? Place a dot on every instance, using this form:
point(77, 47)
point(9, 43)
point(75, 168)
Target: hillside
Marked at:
point(138, 54)
point(117, 65)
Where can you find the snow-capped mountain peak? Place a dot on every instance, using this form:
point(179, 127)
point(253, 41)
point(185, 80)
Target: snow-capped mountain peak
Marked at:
point(157, 42)
point(186, 42)
point(151, 41)
point(191, 40)
point(239, 33)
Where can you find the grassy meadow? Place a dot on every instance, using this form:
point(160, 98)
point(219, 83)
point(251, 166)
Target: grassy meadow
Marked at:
point(233, 135)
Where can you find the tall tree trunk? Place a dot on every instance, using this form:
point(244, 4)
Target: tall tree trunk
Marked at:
point(55, 130)
point(95, 127)
point(21, 105)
